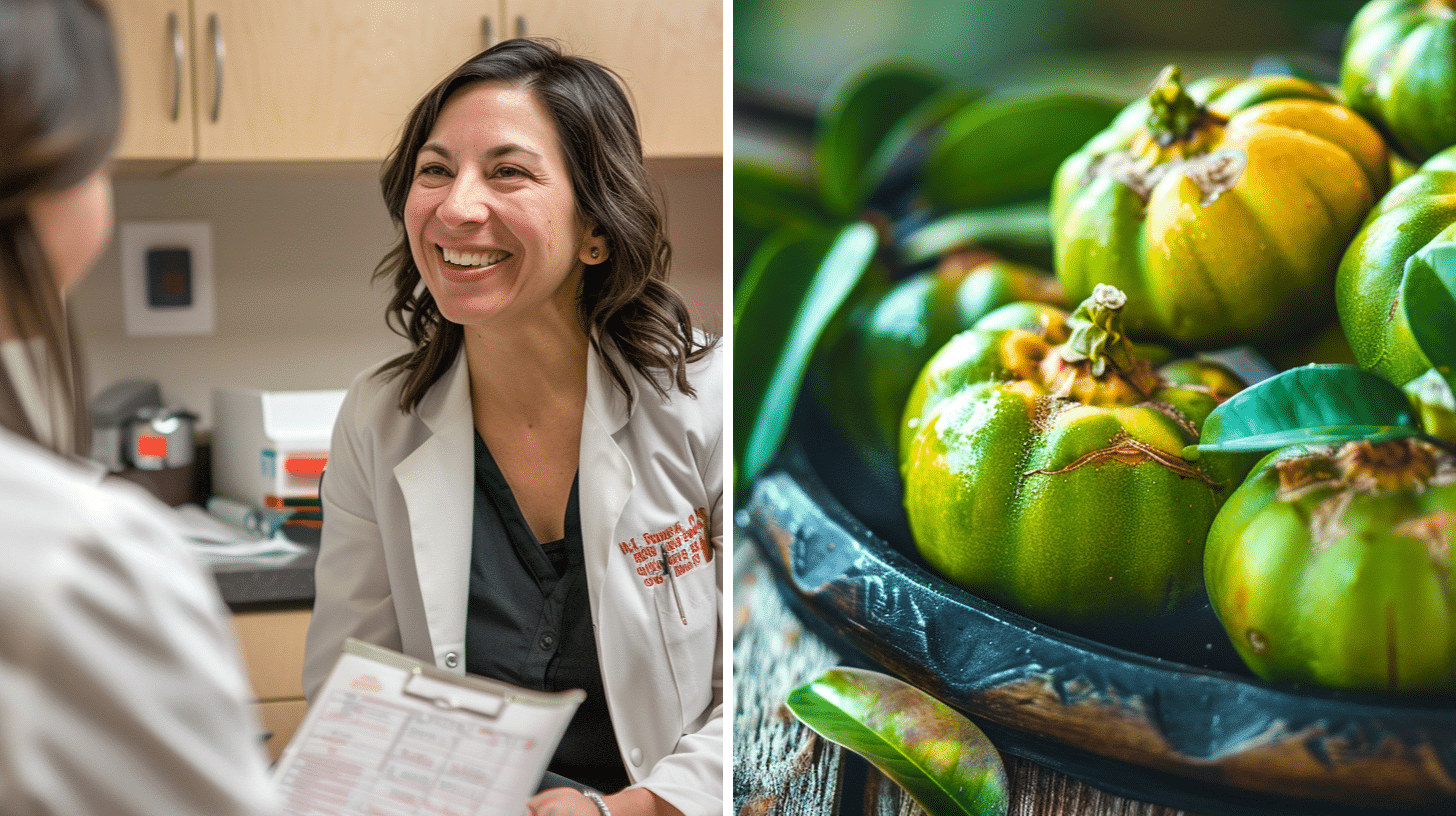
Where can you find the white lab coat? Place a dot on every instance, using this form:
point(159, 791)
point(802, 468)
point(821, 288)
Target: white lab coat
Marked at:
point(394, 564)
point(121, 687)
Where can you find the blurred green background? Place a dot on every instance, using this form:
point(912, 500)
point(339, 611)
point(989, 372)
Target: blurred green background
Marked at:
point(787, 53)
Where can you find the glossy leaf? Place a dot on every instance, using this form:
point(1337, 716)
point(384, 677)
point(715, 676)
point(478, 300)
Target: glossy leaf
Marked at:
point(766, 199)
point(941, 758)
point(788, 299)
point(894, 154)
point(1313, 404)
point(1025, 223)
point(1001, 150)
point(856, 116)
point(1428, 295)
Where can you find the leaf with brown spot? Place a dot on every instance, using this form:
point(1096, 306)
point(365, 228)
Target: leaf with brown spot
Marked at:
point(941, 759)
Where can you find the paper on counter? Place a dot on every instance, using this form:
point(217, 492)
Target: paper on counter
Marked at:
point(214, 540)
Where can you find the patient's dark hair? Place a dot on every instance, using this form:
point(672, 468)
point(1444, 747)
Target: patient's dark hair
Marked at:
point(60, 112)
point(625, 300)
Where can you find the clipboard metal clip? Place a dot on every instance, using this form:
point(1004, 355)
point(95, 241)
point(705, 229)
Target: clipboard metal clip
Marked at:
point(449, 696)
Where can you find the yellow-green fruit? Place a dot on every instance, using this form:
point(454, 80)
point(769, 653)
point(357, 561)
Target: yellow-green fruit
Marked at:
point(1399, 69)
point(873, 365)
point(1415, 213)
point(1220, 209)
point(1331, 565)
point(1048, 477)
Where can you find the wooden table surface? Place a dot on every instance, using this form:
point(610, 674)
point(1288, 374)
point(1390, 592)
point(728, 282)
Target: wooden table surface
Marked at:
point(781, 767)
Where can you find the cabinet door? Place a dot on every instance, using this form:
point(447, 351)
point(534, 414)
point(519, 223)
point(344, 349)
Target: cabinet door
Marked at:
point(669, 52)
point(156, 79)
point(324, 80)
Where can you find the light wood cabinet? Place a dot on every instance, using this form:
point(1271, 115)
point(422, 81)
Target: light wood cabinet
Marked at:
point(323, 80)
point(156, 77)
point(669, 52)
point(272, 646)
point(332, 80)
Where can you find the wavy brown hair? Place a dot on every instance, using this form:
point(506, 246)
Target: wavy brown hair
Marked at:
point(625, 299)
point(60, 113)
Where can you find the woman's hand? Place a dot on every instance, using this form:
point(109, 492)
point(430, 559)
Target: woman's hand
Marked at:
point(571, 802)
point(561, 802)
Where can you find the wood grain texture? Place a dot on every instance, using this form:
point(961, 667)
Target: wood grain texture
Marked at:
point(669, 54)
point(272, 645)
point(1035, 791)
point(779, 766)
point(325, 80)
point(333, 80)
point(149, 78)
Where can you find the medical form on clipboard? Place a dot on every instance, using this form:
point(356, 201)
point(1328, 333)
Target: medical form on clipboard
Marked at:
point(388, 734)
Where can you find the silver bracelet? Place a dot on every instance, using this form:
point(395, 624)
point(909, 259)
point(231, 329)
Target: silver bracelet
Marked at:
point(598, 801)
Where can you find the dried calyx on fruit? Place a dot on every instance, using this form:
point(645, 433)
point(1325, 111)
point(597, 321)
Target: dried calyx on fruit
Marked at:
point(1332, 565)
point(1010, 433)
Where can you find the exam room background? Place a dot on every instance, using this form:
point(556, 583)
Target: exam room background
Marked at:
point(295, 247)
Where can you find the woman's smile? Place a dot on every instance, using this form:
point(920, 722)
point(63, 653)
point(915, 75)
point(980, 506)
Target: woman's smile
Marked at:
point(491, 214)
point(469, 266)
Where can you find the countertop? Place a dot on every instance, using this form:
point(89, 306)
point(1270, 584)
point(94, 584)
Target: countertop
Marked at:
point(274, 580)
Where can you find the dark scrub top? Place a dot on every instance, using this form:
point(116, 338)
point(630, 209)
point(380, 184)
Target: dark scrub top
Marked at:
point(529, 622)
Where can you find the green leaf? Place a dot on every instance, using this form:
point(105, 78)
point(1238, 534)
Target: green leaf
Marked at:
point(1001, 150)
point(857, 114)
point(765, 199)
point(1428, 295)
point(929, 114)
point(1025, 223)
point(790, 295)
point(1312, 404)
point(939, 757)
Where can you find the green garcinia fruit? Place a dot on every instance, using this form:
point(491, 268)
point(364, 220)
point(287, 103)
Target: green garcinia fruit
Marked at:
point(872, 366)
point(1416, 213)
point(1044, 471)
point(1220, 208)
point(1331, 565)
point(1399, 69)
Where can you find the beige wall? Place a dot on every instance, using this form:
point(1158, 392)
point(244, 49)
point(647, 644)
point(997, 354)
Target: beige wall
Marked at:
point(294, 249)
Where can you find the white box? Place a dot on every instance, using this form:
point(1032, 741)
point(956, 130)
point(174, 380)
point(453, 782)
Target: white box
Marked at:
point(270, 445)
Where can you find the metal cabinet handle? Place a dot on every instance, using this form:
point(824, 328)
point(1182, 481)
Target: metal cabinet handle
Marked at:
point(179, 62)
point(219, 56)
point(521, 25)
point(487, 32)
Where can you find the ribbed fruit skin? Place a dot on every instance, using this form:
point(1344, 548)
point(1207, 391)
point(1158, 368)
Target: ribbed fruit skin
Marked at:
point(1344, 589)
point(1399, 69)
point(1254, 263)
point(1056, 509)
point(1419, 211)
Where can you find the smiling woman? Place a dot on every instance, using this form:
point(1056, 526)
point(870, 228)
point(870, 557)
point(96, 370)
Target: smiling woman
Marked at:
point(491, 216)
point(491, 494)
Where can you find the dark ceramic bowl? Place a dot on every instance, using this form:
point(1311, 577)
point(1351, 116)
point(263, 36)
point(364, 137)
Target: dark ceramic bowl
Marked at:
point(1163, 712)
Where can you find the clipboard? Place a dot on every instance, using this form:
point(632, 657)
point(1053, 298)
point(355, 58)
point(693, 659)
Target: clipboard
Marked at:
point(388, 733)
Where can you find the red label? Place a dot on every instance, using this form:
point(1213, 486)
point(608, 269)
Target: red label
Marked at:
point(305, 465)
point(152, 446)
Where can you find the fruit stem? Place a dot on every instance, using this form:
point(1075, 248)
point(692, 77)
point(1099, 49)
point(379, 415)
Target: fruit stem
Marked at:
point(1174, 113)
point(1097, 337)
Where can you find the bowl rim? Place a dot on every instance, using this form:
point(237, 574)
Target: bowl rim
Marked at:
point(1077, 703)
